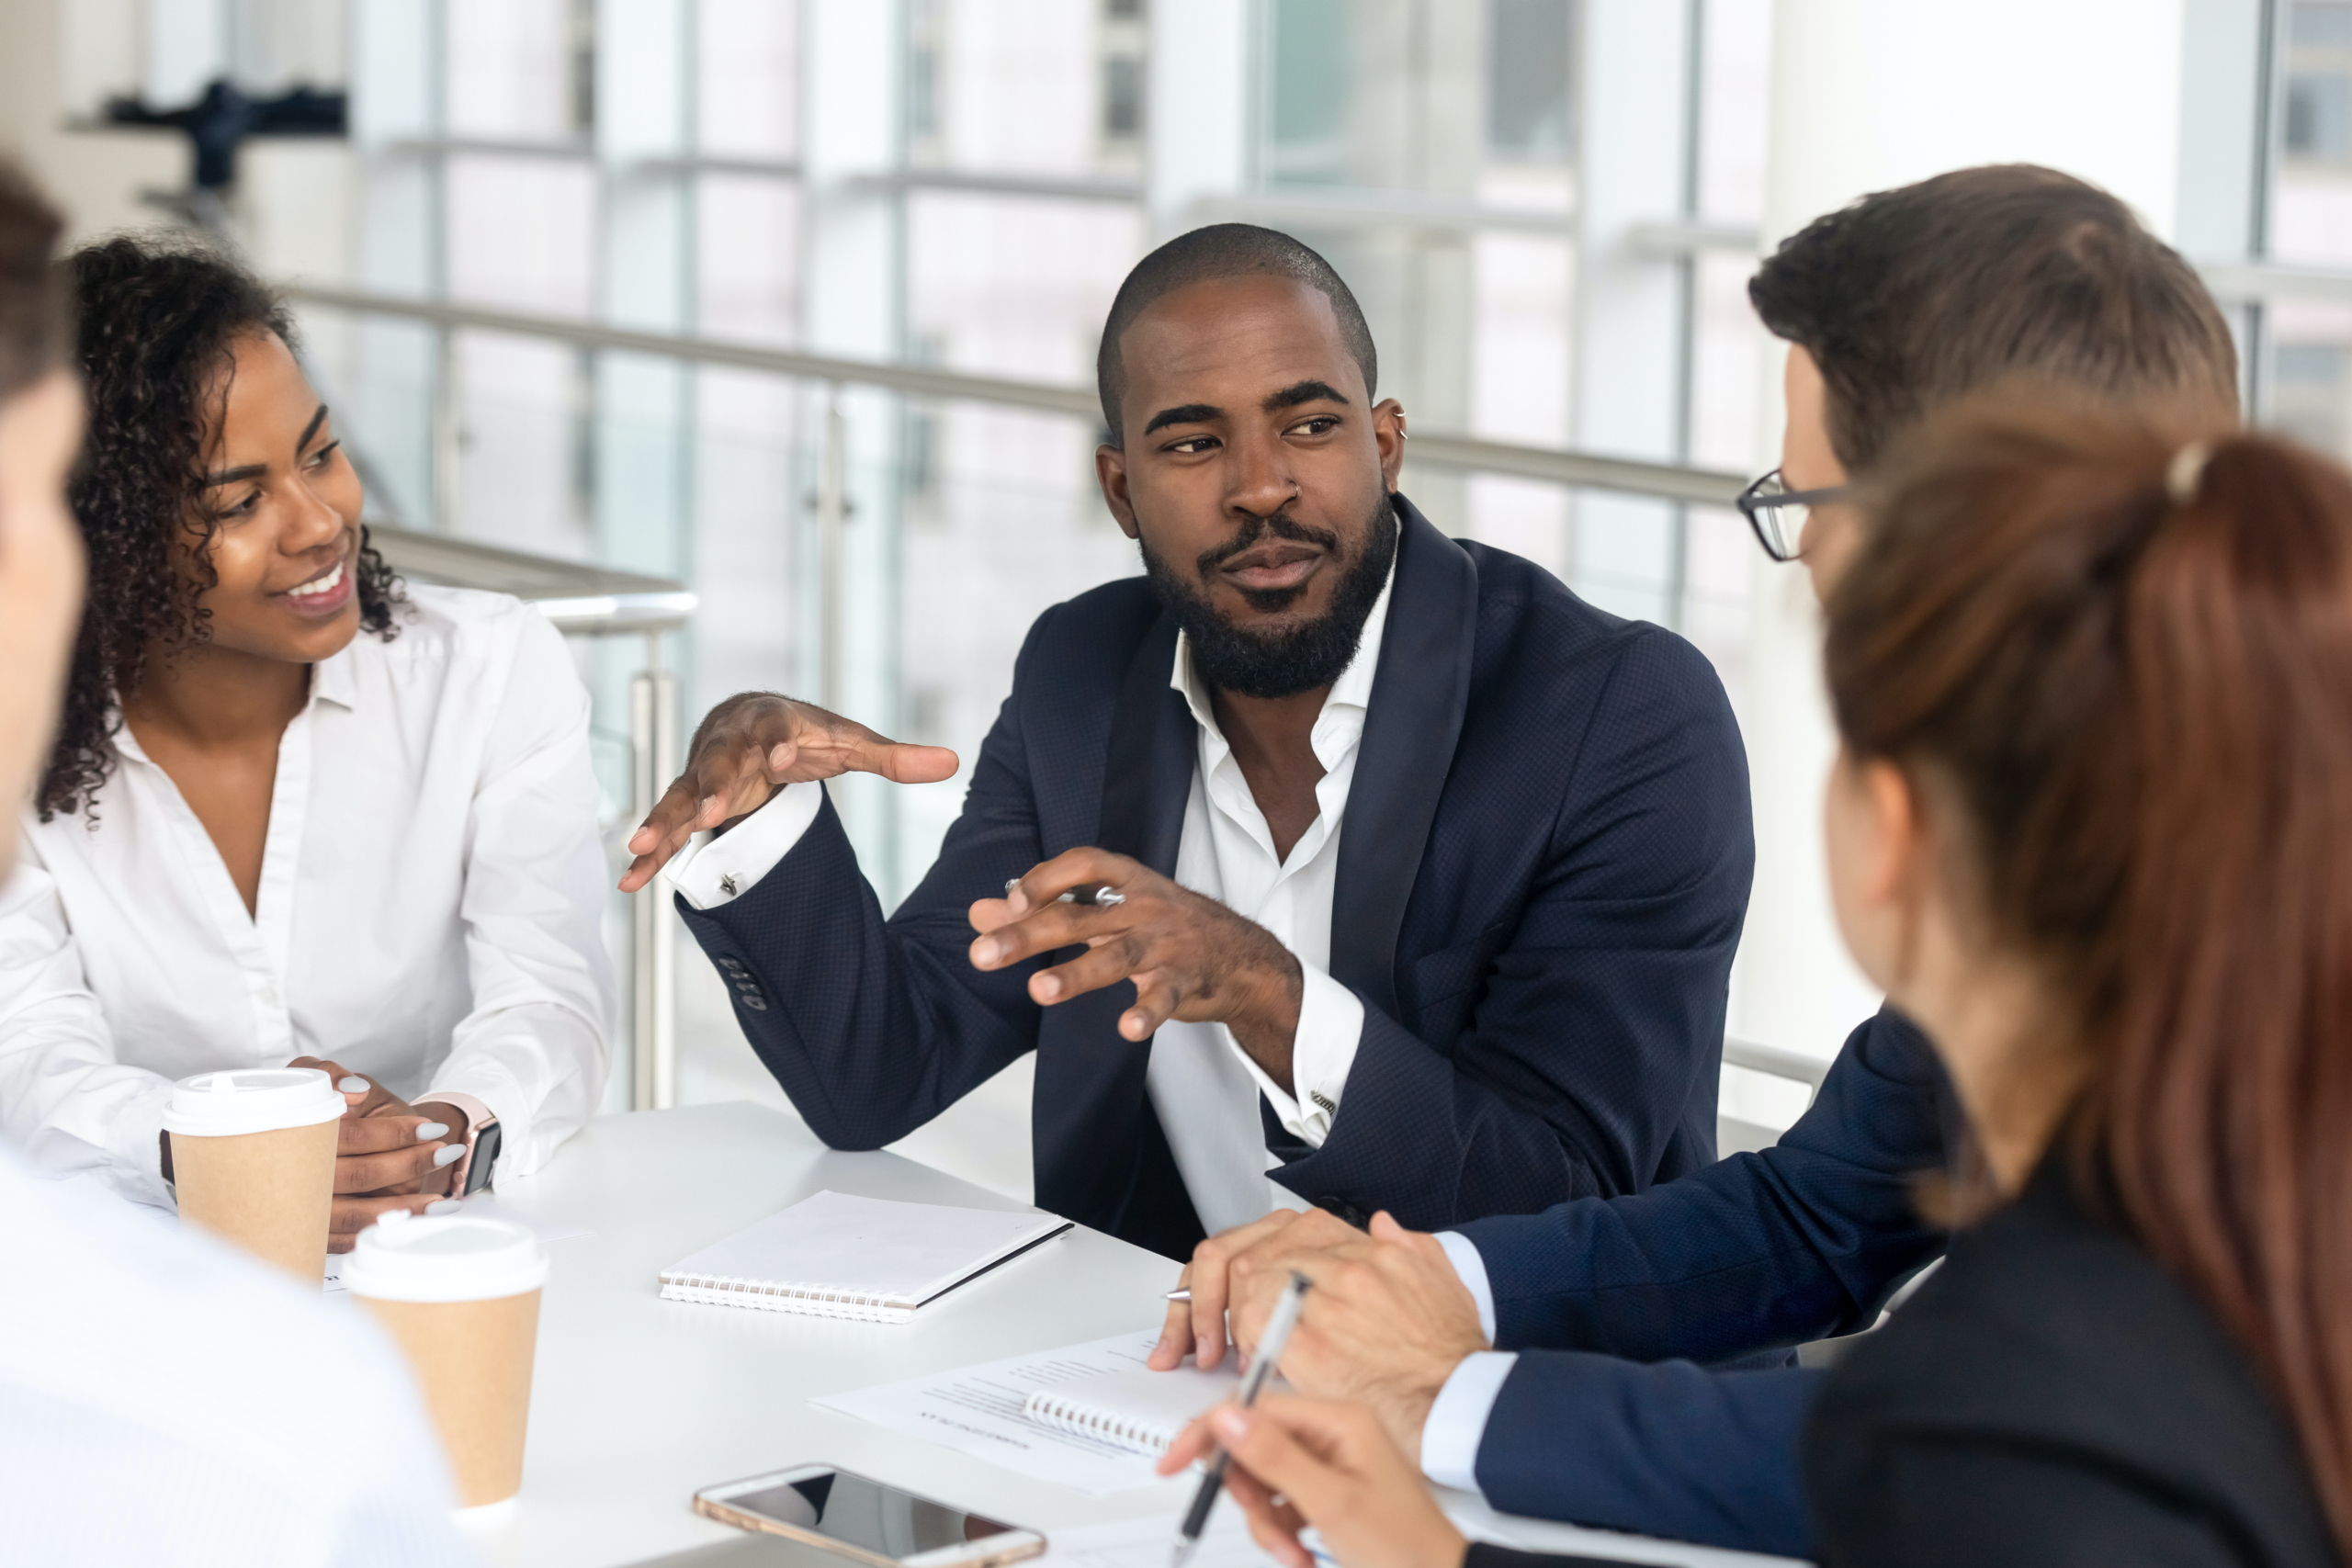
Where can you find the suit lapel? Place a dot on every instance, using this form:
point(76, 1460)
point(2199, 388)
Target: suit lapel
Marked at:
point(1093, 1159)
point(1147, 769)
point(1421, 691)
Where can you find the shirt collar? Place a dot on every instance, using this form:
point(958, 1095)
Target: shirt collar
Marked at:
point(334, 680)
point(1353, 689)
point(337, 680)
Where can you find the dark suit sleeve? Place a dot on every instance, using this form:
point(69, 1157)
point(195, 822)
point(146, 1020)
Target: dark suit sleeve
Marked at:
point(1797, 1242)
point(1486, 1554)
point(1933, 1501)
point(874, 1026)
point(1592, 1028)
point(1670, 1449)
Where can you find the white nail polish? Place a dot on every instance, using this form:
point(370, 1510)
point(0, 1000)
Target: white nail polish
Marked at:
point(391, 1216)
point(430, 1130)
point(443, 1206)
point(450, 1156)
point(353, 1085)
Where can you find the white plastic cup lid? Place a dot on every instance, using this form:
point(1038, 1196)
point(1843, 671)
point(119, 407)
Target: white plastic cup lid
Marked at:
point(251, 1100)
point(450, 1257)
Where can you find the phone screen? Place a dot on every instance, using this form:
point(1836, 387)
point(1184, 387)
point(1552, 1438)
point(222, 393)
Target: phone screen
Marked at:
point(846, 1508)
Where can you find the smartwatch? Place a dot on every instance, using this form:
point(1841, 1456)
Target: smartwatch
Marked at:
point(485, 1156)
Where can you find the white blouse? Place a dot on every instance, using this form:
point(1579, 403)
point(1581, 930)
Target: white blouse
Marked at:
point(432, 892)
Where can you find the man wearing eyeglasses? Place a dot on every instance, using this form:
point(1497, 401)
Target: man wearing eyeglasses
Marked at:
point(1607, 1398)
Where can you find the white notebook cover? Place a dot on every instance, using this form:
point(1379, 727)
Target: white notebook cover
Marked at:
point(835, 1255)
point(1139, 1410)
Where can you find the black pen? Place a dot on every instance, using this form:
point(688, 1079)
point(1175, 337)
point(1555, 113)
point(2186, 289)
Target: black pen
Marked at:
point(1262, 1367)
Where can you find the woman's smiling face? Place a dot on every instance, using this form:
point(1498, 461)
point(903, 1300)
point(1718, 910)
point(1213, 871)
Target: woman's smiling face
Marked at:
point(285, 503)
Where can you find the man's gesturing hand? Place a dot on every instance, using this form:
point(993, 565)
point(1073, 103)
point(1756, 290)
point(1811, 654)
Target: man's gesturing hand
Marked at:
point(1190, 958)
point(1387, 1322)
point(746, 748)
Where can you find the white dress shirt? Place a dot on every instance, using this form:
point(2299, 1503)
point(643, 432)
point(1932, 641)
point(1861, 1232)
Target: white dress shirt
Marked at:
point(432, 889)
point(1203, 1085)
point(1457, 1421)
point(164, 1400)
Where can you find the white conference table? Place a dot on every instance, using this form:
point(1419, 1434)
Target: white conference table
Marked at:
point(637, 1402)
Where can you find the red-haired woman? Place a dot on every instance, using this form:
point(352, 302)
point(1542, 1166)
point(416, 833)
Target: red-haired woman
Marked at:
point(2091, 826)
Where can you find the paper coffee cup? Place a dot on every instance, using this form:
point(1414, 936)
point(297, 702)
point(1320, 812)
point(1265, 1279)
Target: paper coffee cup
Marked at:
point(252, 1156)
point(461, 1296)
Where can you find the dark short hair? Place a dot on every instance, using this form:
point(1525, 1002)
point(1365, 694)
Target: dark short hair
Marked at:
point(33, 314)
point(1911, 300)
point(1202, 255)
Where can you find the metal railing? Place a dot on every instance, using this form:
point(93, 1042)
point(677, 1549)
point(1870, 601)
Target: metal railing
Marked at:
point(1555, 465)
point(592, 601)
point(1777, 1062)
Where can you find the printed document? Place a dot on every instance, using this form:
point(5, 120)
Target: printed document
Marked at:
point(979, 1411)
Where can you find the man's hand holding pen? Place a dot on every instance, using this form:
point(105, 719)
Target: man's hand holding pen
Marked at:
point(1388, 1322)
point(1190, 958)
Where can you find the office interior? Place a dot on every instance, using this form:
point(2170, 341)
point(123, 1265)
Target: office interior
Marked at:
point(754, 337)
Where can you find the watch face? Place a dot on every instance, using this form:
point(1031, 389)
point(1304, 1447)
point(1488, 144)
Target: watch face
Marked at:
point(485, 1156)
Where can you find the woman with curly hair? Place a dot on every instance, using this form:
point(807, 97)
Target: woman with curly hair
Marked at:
point(296, 810)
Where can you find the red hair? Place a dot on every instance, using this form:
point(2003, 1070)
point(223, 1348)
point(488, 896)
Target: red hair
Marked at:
point(2133, 668)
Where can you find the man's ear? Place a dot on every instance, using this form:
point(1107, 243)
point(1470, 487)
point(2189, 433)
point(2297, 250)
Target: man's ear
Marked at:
point(1388, 434)
point(1111, 473)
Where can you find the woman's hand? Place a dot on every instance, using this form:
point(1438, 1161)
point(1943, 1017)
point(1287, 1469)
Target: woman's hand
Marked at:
point(1301, 1462)
point(389, 1153)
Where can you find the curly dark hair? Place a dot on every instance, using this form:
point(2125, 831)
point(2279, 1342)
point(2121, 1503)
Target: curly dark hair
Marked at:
point(159, 321)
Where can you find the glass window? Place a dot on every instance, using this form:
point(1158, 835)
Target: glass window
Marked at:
point(1122, 95)
point(2325, 24)
point(1526, 78)
point(2319, 116)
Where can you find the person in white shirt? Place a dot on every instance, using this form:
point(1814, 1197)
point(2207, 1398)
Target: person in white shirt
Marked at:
point(161, 1395)
point(294, 812)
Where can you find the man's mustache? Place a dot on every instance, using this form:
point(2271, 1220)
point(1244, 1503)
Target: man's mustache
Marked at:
point(1280, 525)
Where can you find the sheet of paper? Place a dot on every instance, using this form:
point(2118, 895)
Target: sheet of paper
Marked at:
point(1144, 1544)
point(978, 1411)
point(483, 1205)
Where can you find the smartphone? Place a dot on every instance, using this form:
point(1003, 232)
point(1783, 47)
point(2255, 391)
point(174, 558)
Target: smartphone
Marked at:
point(864, 1520)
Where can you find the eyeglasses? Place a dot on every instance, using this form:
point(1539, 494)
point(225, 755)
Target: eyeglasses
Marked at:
point(1778, 512)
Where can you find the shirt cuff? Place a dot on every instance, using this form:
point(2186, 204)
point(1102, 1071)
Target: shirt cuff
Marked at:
point(1462, 1253)
point(716, 869)
point(1323, 1048)
point(1457, 1422)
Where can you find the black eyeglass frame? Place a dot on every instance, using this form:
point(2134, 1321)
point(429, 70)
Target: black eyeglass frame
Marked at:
point(1753, 500)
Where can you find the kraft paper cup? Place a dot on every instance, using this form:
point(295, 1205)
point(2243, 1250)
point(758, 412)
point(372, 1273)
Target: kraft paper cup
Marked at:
point(252, 1156)
point(461, 1295)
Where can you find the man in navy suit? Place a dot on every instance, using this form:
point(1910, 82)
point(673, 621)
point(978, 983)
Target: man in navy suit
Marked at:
point(1404, 879)
point(1607, 1400)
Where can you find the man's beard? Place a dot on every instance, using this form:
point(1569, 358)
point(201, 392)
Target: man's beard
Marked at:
point(1284, 663)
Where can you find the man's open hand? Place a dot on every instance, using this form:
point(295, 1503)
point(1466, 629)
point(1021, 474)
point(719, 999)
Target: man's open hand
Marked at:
point(752, 745)
point(1190, 958)
point(1387, 1323)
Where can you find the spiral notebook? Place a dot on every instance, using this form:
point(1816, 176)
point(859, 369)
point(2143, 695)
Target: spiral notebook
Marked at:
point(835, 1255)
point(1142, 1411)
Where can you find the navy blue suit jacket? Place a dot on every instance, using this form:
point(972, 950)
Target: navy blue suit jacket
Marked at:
point(1610, 1417)
point(1542, 876)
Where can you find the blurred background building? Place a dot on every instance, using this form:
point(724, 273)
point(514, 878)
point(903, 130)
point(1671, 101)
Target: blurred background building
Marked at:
point(781, 314)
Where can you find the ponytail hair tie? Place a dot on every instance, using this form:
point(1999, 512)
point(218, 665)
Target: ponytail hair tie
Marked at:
point(2186, 471)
